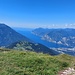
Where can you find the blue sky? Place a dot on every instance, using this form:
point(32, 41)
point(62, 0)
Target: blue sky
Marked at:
point(38, 13)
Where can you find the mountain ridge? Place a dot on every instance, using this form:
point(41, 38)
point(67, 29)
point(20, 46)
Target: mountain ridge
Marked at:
point(63, 37)
point(37, 47)
point(8, 36)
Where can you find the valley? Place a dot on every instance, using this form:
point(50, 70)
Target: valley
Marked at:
point(56, 47)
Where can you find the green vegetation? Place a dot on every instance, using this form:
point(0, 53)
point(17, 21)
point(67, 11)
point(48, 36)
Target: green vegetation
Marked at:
point(13, 62)
point(24, 45)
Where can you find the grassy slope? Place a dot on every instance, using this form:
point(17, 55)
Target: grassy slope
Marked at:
point(31, 63)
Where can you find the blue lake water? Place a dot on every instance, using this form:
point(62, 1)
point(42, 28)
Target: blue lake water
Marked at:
point(37, 39)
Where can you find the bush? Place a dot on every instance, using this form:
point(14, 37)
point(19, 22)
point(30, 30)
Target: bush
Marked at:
point(65, 64)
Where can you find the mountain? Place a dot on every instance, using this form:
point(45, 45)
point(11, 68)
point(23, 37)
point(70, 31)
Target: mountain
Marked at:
point(37, 47)
point(30, 63)
point(9, 36)
point(60, 37)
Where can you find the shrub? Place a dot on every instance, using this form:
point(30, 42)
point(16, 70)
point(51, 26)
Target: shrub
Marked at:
point(65, 64)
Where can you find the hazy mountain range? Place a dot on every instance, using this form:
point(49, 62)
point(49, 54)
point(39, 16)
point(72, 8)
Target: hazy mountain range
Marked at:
point(58, 40)
point(9, 38)
point(61, 37)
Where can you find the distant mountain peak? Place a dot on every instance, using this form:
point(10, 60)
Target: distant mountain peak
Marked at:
point(2, 24)
point(8, 35)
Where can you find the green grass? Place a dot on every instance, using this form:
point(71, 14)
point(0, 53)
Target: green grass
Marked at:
point(30, 63)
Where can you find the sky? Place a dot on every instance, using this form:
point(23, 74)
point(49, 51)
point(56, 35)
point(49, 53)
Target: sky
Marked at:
point(38, 13)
